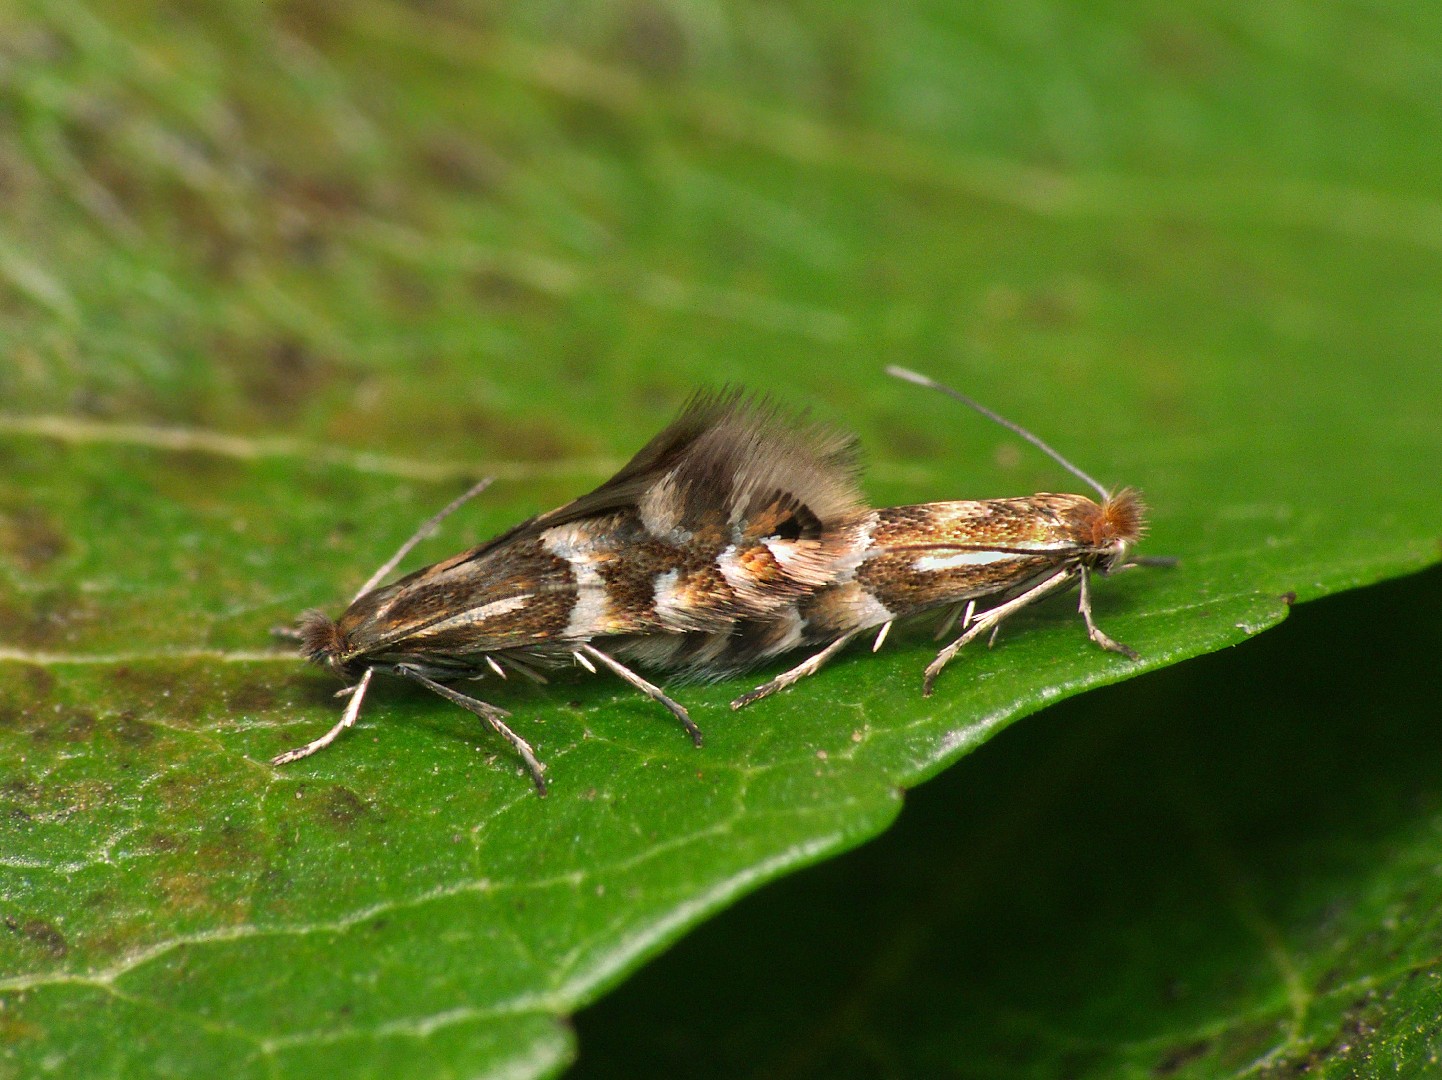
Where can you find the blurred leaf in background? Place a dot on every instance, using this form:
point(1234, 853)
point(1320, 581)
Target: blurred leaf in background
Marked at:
point(278, 280)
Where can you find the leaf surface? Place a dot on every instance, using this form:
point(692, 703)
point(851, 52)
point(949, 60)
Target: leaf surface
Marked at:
point(277, 283)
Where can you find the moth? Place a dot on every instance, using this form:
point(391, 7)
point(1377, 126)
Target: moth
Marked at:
point(731, 514)
point(908, 560)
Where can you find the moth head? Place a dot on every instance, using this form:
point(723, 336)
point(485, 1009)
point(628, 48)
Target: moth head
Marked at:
point(321, 641)
point(1119, 522)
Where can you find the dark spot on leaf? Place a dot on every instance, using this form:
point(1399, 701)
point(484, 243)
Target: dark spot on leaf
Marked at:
point(223, 850)
point(251, 697)
point(45, 724)
point(46, 935)
point(21, 789)
point(100, 899)
point(186, 891)
point(76, 725)
point(162, 842)
point(280, 377)
point(342, 807)
point(1173, 1060)
point(378, 924)
point(1289, 598)
point(31, 540)
point(275, 884)
point(132, 732)
point(184, 794)
point(183, 692)
point(51, 620)
point(39, 680)
point(1361, 1021)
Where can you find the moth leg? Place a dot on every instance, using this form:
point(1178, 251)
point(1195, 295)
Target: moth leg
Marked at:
point(526, 670)
point(796, 674)
point(952, 615)
point(1093, 630)
point(491, 714)
point(347, 719)
point(649, 689)
point(990, 619)
point(881, 635)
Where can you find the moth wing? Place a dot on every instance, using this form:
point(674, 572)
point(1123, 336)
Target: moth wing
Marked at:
point(735, 471)
point(766, 498)
point(668, 448)
point(729, 454)
point(464, 606)
point(738, 507)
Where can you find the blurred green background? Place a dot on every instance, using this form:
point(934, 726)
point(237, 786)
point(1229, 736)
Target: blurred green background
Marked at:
point(279, 279)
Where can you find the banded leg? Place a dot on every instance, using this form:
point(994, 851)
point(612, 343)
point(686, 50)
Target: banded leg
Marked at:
point(1093, 630)
point(347, 719)
point(491, 714)
point(989, 619)
point(649, 689)
point(796, 674)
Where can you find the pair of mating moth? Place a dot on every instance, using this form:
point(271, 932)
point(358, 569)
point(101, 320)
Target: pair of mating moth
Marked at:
point(735, 535)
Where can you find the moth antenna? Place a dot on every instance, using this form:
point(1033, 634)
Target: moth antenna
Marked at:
point(922, 380)
point(421, 533)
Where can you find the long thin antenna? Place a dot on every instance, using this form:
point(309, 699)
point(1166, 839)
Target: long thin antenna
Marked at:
point(421, 533)
point(922, 380)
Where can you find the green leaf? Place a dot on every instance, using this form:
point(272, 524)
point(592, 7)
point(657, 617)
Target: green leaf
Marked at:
point(1229, 870)
point(278, 281)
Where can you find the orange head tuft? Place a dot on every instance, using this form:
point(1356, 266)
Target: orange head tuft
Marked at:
point(1122, 521)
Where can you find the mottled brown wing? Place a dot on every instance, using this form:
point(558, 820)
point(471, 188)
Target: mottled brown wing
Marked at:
point(731, 512)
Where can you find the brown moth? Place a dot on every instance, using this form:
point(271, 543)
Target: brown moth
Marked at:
point(912, 559)
point(732, 513)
